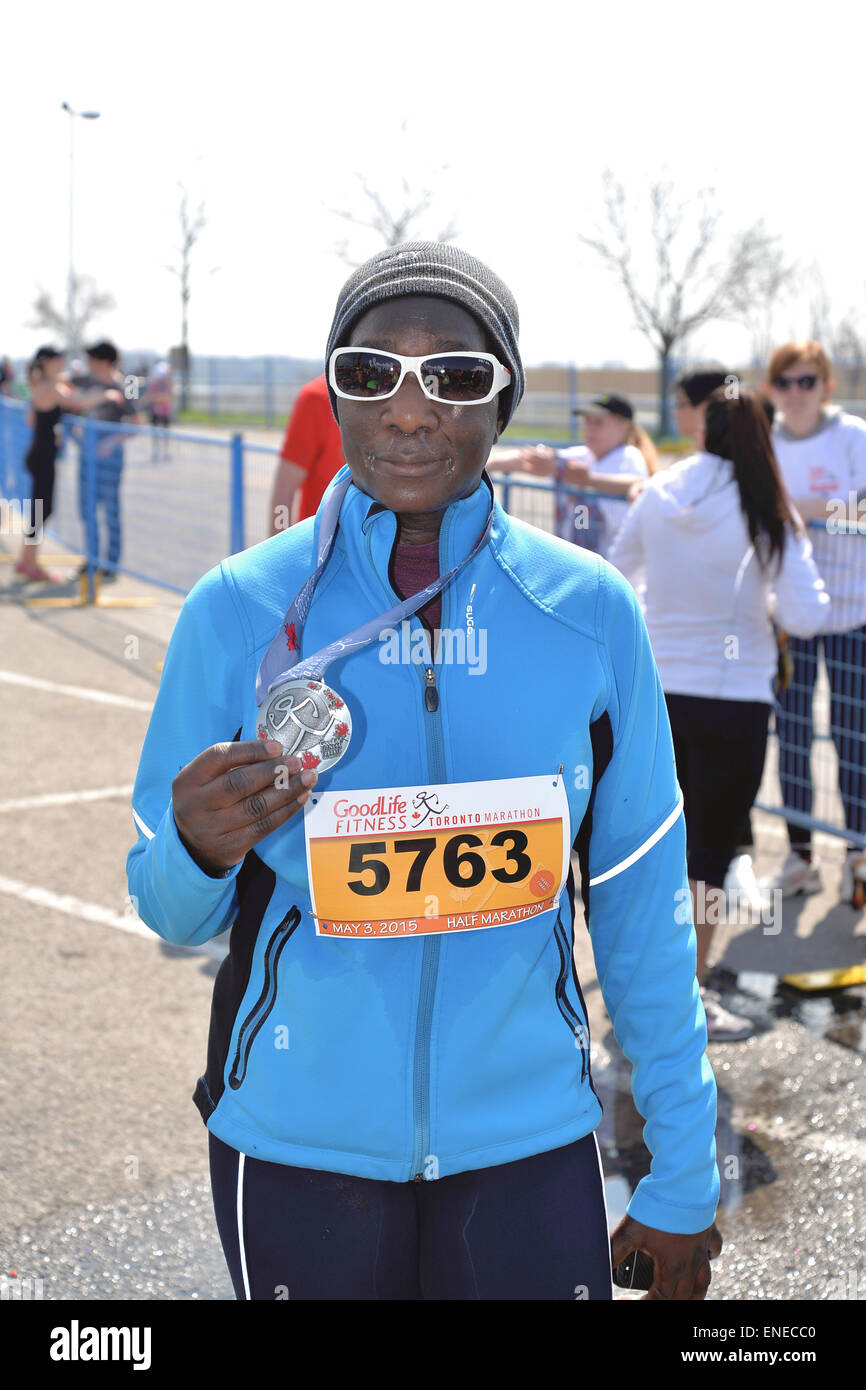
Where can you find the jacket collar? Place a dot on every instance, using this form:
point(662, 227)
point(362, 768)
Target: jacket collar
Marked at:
point(367, 529)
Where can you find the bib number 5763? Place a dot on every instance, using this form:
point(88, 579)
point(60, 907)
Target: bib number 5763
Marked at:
point(462, 866)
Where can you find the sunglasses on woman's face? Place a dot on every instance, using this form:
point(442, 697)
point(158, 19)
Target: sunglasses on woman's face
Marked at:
point(455, 378)
point(807, 382)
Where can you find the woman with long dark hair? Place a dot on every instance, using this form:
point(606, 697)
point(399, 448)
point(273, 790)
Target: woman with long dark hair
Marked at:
point(720, 550)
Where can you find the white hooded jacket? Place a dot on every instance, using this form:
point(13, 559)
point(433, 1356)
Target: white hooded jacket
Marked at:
point(708, 602)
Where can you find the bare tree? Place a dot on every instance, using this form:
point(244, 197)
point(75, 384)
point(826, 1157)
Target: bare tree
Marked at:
point(394, 216)
point(191, 226)
point(392, 223)
point(691, 282)
point(774, 283)
point(848, 351)
point(88, 303)
point(842, 337)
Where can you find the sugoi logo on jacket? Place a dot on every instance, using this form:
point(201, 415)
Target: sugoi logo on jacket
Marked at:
point(76, 1343)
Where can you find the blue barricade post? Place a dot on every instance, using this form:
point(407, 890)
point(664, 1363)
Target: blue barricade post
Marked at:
point(573, 403)
point(269, 391)
point(87, 484)
point(237, 503)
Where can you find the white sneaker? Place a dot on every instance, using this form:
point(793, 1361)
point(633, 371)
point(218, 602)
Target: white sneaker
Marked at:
point(722, 1025)
point(796, 875)
point(745, 894)
point(854, 878)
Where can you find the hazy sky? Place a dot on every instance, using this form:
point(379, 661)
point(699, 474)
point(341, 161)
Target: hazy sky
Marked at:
point(268, 111)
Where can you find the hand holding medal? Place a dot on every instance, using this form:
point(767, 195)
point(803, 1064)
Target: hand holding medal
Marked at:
point(231, 796)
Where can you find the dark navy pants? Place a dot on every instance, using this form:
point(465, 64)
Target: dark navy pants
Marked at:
point(533, 1229)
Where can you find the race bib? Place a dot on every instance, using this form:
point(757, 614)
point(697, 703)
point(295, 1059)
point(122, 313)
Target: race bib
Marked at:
point(409, 861)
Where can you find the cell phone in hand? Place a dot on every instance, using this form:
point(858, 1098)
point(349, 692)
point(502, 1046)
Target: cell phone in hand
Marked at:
point(634, 1272)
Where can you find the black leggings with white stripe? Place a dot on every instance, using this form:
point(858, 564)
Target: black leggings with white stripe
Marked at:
point(533, 1229)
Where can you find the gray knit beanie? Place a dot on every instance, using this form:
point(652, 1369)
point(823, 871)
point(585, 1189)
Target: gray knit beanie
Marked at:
point(437, 268)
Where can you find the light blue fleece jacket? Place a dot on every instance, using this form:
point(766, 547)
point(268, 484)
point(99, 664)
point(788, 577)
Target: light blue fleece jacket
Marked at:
point(426, 1057)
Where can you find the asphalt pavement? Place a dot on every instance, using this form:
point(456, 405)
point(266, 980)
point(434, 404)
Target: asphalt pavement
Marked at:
point(104, 1192)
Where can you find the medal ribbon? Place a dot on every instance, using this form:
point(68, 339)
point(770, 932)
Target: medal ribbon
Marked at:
point(273, 671)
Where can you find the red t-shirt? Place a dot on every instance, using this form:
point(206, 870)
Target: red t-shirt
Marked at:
point(313, 442)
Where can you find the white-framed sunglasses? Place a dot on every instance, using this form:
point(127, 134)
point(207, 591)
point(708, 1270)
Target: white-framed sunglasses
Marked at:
point(455, 378)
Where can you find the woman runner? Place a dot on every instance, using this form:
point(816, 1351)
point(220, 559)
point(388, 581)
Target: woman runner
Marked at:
point(398, 1089)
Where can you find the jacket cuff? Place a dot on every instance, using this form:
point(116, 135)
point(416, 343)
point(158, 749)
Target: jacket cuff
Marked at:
point(183, 859)
point(651, 1210)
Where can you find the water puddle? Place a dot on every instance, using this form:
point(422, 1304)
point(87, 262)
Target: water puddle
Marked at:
point(836, 1014)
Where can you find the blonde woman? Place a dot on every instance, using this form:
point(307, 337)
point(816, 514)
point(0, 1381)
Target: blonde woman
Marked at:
point(822, 456)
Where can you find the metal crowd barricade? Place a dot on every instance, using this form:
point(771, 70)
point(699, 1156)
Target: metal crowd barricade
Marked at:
point(815, 775)
point(165, 506)
point(160, 505)
point(15, 434)
point(815, 771)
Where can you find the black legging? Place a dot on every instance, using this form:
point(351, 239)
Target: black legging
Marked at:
point(719, 747)
point(533, 1229)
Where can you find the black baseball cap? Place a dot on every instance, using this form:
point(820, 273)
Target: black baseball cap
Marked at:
point(610, 404)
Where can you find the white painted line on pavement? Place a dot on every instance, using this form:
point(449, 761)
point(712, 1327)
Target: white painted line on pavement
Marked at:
point(79, 691)
point(26, 803)
point(92, 912)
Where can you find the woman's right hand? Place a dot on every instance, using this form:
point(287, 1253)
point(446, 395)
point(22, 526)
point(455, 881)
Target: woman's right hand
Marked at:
point(231, 796)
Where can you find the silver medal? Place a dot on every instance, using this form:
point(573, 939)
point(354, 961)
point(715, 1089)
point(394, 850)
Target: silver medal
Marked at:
point(309, 719)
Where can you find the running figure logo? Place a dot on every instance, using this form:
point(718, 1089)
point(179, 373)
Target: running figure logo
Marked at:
point(291, 709)
point(426, 799)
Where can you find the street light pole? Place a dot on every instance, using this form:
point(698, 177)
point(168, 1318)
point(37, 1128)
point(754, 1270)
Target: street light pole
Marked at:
point(71, 326)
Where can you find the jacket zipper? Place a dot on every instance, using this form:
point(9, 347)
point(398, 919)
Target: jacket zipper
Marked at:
point(432, 944)
point(255, 1019)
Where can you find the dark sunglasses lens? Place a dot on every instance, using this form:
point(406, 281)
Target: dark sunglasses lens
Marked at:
point(808, 382)
point(457, 378)
point(366, 375)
